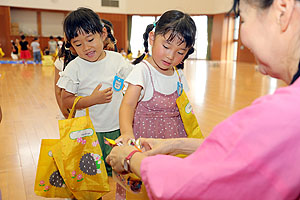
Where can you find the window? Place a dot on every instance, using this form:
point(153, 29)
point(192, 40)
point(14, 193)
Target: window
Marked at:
point(236, 37)
point(201, 37)
point(139, 24)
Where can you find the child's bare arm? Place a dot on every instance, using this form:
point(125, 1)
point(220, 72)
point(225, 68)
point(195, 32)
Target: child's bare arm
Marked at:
point(97, 97)
point(58, 91)
point(127, 110)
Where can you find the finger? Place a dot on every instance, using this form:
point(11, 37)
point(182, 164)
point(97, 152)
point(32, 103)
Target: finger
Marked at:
point(107, 90)
point(146, 146)
point(145, 142)
point(107, 100)
point(150, 153)
point(98, 86)
point(109, 93)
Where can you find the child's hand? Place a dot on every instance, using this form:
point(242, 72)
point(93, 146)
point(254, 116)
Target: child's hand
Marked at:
point(102, 96)
point(124, 139)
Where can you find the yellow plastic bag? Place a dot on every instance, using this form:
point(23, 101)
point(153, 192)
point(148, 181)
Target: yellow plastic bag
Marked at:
point(57, 154)
point(189, 120)
point(47, 60)
point(48, 181)
point(82, 158)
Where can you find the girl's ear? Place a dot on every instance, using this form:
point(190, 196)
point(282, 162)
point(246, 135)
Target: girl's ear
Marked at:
point(151, 38)
point(284, 10)
point(104, 34)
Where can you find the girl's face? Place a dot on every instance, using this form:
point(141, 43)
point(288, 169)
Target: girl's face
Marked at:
point(89, 46)
point(166, 54)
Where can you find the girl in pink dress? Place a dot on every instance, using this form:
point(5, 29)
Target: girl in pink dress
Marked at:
point(149, 106)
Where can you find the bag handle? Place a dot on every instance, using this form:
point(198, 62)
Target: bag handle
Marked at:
point(73, 108)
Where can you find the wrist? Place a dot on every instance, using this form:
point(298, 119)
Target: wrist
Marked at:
point(126, 163)
point(176, 145)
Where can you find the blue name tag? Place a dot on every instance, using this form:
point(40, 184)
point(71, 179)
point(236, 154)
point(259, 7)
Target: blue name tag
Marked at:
point(179, 88)
point(118, 83)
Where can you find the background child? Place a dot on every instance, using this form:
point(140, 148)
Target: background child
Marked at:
point(110, 43)
point(35, 45)
point(149, 106)
point(52, 46)
point(14, 50)
point(47, 59)
point(91, 75)
point(25, 53)
point(59, 42)
point(65, 55)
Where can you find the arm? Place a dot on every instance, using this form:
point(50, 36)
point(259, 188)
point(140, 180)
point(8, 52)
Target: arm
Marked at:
point(155, 146)
point(97, 97)
point(28, 47)
point(127, 110)
point(58, 92)
point(172, 146)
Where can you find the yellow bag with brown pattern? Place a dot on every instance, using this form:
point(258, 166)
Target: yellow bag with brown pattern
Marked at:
point(82, 160)
point(48, 180)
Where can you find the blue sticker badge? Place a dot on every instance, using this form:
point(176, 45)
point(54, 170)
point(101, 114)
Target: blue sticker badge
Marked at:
point(118, 83)
point(179, 88)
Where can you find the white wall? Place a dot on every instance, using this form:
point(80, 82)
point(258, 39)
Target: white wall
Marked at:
point(129, 6)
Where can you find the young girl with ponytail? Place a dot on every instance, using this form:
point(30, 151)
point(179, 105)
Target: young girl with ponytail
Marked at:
point(149, 108)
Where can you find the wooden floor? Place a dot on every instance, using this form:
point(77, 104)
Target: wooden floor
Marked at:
point(30, 113)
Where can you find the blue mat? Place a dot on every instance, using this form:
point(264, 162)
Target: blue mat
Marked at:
point(14, 62)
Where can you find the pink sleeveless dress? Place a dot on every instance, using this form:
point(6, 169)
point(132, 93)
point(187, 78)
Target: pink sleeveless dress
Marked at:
point(158, 117)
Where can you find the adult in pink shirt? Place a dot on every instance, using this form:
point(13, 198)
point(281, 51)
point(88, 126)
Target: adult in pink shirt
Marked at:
point(255, 153)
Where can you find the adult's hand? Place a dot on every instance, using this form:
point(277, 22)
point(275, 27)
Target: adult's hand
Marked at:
point(172, 147)
point(159, 146)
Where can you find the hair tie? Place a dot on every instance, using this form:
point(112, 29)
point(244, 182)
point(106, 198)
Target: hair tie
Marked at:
point(67, 46)
point(154, 24)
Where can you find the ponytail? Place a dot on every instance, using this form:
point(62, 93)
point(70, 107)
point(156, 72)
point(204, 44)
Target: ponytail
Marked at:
point(64, 52)
point(181, 64)
point(145, 37)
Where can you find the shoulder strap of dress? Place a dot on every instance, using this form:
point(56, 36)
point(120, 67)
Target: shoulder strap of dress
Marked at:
point(177, 74)
point(149, 72)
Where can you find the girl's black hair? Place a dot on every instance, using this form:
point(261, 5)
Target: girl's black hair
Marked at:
point(64, 52)
point(109, 27)
point(180, 24)
point(82, 20)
